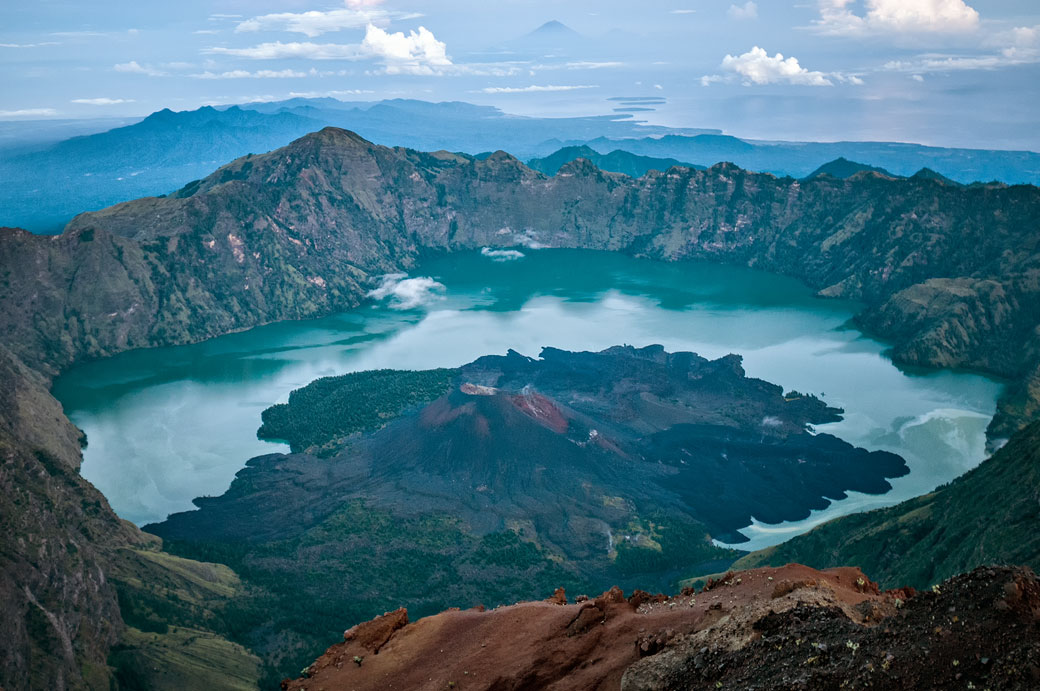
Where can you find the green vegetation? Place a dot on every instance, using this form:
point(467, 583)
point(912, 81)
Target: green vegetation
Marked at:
point(989, 515)
point(182, 658)
point(319, 416)
point(672, 543)
point(176, 615)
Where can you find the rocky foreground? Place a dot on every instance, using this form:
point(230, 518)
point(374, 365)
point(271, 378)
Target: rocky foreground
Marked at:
point(775, 628)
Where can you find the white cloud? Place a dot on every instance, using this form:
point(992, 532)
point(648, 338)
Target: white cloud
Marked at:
point(133, 67)
point(277, 50)
point(501, 255)
point(757, 67)
point(683, 11)
point(101, 101)
point(957, 63)
point(335, 93)
point(1019, 46)
point(749, 10)
point(30, 45)
point(416, 53)
point(590, 65)
point(314, 23)
point(79, 34)
point(408, 293)
point(246, 74)
point(1021, 43)
point(935, 16)
point(534, 88)
point(28, 113)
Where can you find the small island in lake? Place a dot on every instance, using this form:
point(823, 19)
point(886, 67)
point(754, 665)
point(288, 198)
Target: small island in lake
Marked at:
point(496, 480)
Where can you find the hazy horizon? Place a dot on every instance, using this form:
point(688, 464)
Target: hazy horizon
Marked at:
point(957, 73)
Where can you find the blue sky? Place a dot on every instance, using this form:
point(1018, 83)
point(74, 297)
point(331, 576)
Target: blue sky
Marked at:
point(946, 72)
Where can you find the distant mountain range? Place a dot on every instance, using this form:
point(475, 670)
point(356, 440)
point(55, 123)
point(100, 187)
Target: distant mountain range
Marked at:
point(44, 188)
point(617, 161)
point(47, 185)
point(801, 159)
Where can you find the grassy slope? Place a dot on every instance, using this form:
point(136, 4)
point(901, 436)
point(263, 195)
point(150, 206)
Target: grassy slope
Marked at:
point(990, 514)
point(182, 659)
point(168, 604)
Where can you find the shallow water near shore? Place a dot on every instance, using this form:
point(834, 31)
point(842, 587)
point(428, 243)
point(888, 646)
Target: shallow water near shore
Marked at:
point(167, 425)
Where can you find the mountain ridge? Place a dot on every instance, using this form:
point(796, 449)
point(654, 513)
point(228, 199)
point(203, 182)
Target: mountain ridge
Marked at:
point(50, 184)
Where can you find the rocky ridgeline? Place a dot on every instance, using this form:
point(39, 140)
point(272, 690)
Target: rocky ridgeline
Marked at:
point(790, 627)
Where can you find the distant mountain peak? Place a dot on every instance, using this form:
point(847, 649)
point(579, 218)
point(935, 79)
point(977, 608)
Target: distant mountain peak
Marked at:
point(554, 28)
point(842, 168)
point(929, 174)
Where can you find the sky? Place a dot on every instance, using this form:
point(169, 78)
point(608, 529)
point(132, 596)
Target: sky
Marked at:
point(942, 72)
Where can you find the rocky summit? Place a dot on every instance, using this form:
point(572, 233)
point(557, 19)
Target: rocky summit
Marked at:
point(790, 627)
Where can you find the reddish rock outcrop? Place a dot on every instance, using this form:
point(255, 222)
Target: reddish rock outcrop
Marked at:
point(791, 627)
point(582, 646)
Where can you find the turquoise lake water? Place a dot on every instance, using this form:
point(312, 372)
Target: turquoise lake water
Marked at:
point(167, 425)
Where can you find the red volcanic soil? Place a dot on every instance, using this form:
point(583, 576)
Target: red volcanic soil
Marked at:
point(787, 628)
point(542, 409)
point(582, 646)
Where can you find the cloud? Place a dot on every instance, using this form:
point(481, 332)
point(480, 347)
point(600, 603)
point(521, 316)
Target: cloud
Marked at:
point(335, 93)
point(501, 255)
point(757, 67)
point(277, 50)
point(417, 52)
point(1019, 46)
point(683, 11)
point(133, 67)
point(904, 16)
point(79, 34)
point(534, 88)
point(28, 113)
point(408, 293)
point(314, 23)
point(591, 65)
point(30, 45)
point(748, 10)
point(246, 74)
point(1021, 43)
point(101, 101)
